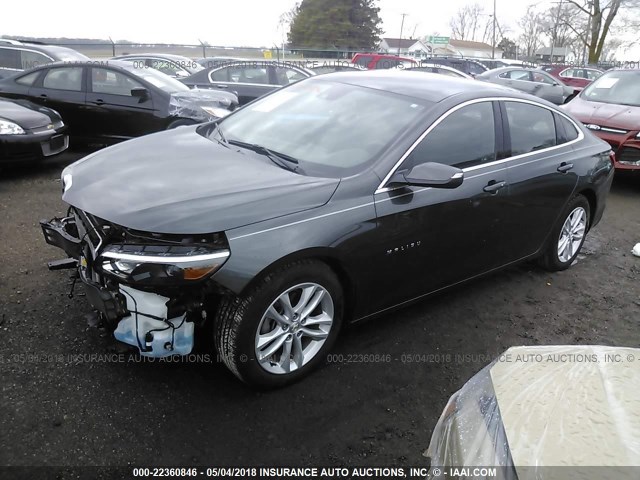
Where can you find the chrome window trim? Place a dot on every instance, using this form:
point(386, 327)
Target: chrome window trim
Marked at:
point(381, 188)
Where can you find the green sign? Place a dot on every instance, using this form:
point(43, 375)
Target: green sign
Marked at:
point(438, 40)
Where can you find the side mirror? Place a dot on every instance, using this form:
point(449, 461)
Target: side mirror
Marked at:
point(430, 174)
point(140, 93)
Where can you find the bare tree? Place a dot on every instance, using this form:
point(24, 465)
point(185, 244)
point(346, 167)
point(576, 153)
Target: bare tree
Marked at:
point(465, 24)
point(532, 28)
point(599, 14)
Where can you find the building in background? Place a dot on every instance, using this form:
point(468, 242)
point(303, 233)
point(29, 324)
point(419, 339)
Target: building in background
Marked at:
point(404, 47)
point(560, 55)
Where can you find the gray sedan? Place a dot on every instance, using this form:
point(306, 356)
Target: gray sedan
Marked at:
point(529, 80)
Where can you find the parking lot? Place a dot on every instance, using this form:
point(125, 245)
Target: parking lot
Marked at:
point(73, 397)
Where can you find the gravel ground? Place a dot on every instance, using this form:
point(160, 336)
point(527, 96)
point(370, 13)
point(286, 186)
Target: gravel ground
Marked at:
point(62, 407)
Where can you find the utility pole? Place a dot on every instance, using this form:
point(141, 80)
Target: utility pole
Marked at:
point(554, 35)
point(493, 42)
point(401, 27)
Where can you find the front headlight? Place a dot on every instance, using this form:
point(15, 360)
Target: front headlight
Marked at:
point(10, 128)
point(216, 111)
point(638, 135)
point(160, 264)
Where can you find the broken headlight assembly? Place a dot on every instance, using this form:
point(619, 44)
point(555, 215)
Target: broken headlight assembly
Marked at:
point(160, 265)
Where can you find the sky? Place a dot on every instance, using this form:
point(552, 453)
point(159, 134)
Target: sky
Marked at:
point(236, 23)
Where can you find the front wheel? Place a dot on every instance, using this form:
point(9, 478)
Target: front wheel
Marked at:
point(281, 329)
point(568, 236)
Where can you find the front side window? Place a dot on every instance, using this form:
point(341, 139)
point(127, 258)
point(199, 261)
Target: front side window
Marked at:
point(531, 127)
point(543, 78)
point(64, 78)
point(285, 76)
point(33, 59)
point(111, 82)
point(465, 138)
point(518, 75)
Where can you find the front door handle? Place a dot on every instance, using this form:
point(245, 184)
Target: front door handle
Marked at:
point(565, 167)
point(222, 86)
point(493, 186)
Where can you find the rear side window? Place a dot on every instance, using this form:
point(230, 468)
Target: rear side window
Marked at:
point(10, 58)
point(66, 78)
point(463, 139)
point(566, 131)
point(531, 127)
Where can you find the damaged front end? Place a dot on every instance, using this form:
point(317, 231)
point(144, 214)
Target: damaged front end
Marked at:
point(150, 289)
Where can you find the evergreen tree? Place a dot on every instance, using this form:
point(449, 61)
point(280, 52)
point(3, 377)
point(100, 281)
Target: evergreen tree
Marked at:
point(342, 24)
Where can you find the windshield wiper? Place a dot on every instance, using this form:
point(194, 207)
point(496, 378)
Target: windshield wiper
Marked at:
point(223, 140)
point(280, 159)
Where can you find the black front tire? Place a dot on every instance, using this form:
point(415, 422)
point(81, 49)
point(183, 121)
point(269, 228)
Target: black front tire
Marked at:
point(238, 318)
point(550, 259)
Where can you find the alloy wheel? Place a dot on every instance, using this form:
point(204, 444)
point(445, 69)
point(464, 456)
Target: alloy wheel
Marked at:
point(572, 234)
point(294, 328)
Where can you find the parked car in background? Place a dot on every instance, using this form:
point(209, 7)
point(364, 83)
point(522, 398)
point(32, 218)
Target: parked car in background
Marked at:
point(523, 417)
point(610, 108)
point(329, 67)
point(576, 77)
point(532, 81)
point(249, 79)
point(175, 66)
point(213, 62)
point(440, 69)
point(107, 103)
point(502, 62)
point(29, 132)
point(273, 223)
point(465, 65)
point(16, 57)
point(379, 61)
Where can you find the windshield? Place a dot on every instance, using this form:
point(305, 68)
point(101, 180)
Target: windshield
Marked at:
point(332, 129)
point(621, 87)
point(158, 79)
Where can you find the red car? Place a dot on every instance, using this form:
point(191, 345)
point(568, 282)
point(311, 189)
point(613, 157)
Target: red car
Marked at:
point(379, 61)
point(577, 77)
point(610, 108)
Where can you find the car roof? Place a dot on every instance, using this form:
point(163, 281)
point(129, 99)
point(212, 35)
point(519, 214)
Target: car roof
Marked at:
point(168, 56)
point(437, 88)
point(52, 50)
point(261, 62)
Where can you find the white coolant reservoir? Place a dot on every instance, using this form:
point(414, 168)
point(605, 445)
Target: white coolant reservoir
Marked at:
point(148, 328)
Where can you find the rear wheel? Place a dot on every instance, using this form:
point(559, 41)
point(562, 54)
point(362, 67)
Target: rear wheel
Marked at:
point(282, 329)
point(568, 236)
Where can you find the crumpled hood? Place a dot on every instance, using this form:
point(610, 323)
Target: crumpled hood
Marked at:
point(26, 114)
point(206, 97)
point(183, 183)
point(605, 114)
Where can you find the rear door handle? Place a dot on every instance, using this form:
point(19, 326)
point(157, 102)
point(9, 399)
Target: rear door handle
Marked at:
point(222, 86)
point(565, 167)
point(493, 186)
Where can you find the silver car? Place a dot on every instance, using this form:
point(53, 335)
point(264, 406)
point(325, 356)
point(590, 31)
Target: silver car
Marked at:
point(530, 80)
